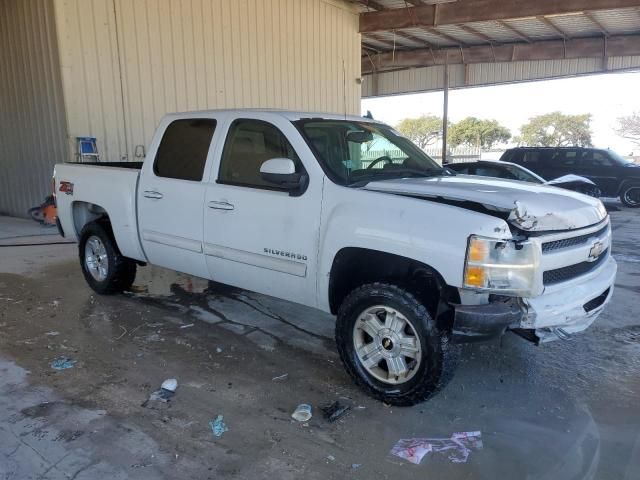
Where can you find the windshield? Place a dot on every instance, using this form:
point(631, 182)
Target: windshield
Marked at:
point(618, 159)
point(353, 152)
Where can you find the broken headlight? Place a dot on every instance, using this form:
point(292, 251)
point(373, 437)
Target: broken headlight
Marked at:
point(502, 266)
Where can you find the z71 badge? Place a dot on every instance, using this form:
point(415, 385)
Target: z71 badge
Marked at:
point(66, 187)
point(282, 253)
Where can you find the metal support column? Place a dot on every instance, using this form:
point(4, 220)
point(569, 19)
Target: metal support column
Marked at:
point(445, 109)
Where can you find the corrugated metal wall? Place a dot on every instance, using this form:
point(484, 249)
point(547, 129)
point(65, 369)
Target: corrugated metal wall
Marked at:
point(127, 62)
point(431, 78)
point(32, 120)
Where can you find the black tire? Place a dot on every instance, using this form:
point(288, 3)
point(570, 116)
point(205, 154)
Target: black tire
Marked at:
point(121, 271)
point(630, 195)
point(437, 358)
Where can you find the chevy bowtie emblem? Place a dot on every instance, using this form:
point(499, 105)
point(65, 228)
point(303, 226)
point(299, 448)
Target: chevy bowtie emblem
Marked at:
point(595, 251)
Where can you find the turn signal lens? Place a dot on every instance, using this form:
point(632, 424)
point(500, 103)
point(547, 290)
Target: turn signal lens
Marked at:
point(474, 277)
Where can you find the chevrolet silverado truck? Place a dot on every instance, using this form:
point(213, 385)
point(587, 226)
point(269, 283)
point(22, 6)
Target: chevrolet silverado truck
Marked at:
point(345, 215)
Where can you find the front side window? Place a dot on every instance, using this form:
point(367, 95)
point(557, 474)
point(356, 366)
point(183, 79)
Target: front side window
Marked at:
point(183, 150)
point(594, 158)
point(249, 144)
point(353, 152)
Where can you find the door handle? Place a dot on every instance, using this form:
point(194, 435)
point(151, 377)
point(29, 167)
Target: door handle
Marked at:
point(220, 205)
point(152, 194)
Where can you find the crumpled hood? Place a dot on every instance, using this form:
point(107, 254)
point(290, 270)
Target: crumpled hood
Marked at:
point(527, 206)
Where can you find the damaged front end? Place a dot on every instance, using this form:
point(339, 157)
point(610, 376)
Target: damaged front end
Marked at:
point(526, 207)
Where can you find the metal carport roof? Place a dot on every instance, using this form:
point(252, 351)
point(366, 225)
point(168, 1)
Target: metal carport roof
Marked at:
point(406, 43)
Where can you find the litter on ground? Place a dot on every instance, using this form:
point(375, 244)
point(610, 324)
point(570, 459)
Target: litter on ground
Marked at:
point(218, 427)
point(62, 363)
point(459, 446)
point(170, 384)
point(302, 413)
point(166, 392)
point(280, 378)
point(335, 411)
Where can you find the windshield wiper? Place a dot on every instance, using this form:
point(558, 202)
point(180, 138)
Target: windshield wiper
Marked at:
point(399, 173)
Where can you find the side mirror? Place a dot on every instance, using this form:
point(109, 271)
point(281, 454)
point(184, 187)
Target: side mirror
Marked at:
point(282, 172)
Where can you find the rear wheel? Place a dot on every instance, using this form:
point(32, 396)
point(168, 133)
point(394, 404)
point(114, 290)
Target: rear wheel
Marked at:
point(104, 268)
point(630, 195)
point(390, 345)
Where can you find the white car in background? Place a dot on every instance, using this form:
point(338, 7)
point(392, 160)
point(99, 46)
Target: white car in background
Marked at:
point(512, 171)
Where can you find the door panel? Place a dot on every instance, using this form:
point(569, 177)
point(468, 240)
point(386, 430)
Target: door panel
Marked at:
point(171, 196)
point(257, 236)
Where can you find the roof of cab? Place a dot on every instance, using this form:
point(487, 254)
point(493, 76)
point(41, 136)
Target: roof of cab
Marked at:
point(291, 115)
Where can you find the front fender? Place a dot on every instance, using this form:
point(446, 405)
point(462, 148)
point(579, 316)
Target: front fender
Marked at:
point(431, 233)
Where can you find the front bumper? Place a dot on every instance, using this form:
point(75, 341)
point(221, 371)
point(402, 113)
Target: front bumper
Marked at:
point(570, 308)
point(479, 323)
point(574, 307)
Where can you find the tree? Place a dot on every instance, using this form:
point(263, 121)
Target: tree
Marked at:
point(556, 129)
point(629, 127)
point(422, 131)
point(473, 131)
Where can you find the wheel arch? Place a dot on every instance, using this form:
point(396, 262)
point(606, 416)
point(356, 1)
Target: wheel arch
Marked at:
point(626, 182)
point(356, 266)
point(84, 213)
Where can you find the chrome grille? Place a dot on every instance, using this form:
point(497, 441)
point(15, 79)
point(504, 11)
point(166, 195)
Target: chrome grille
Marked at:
point(558, 275)
point(572, 241)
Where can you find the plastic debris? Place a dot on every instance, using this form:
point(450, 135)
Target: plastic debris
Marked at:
point(335, 411)
point(355, 466)
point(302, 413)
point(331, 458)
point(170, 384)
point(166, 392)
point(280, 378)
point(62, 363)
point(218, 350)
point(189, 325)
point(52, 334)
point(459, 447)
point(218, 427)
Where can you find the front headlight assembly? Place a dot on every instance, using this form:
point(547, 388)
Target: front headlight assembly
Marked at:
point(505, 267)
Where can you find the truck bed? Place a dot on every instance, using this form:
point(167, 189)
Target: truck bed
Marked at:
point(101, 186)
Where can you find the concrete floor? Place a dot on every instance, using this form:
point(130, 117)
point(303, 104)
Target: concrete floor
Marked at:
point(565, 410)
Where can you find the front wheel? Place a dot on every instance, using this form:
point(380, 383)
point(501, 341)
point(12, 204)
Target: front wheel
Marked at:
point(390, 346)
point(104, 268)
point(630, 195)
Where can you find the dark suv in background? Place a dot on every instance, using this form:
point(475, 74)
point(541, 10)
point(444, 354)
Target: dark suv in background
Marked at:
point(614, 175)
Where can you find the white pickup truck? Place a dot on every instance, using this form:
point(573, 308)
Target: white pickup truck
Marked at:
point(345, 215)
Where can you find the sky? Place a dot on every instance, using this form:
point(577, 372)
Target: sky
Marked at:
point(606, 97)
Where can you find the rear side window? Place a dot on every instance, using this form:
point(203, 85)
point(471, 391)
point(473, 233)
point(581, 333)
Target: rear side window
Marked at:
point(182, 153)
point(565, 158)
point(489, 171)
point(531, 158)
point(464, 170)
point(249, 144)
